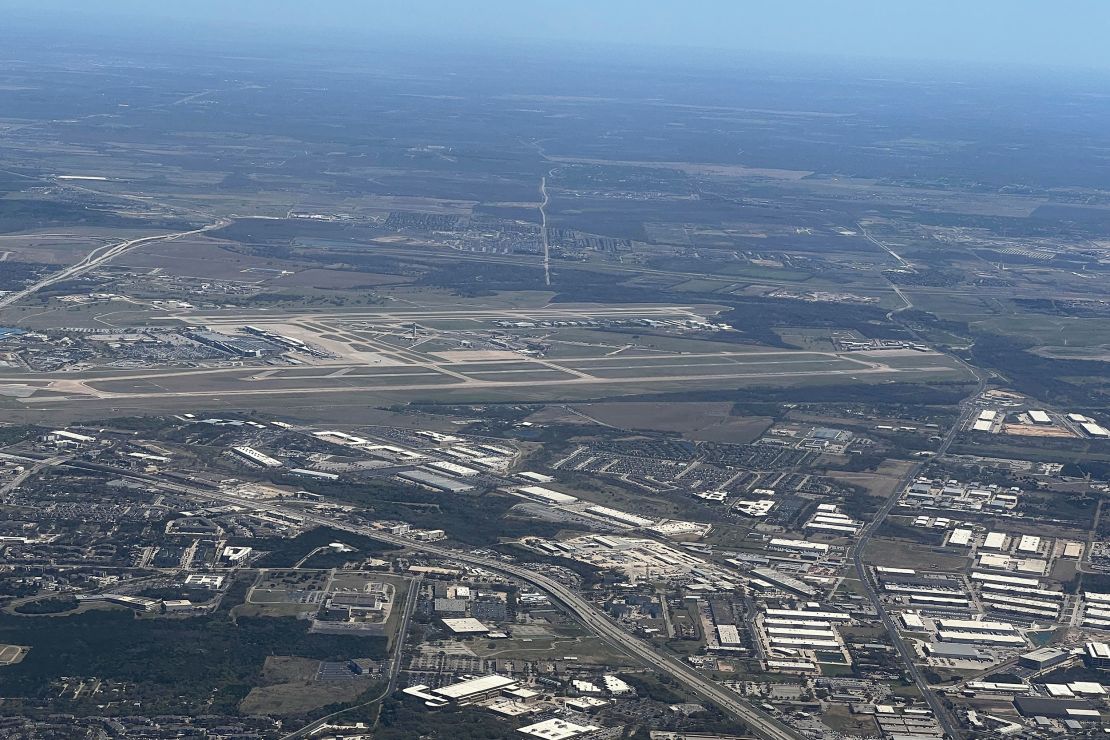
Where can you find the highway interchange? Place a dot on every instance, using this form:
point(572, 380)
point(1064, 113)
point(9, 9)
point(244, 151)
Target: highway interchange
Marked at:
point(759, 722)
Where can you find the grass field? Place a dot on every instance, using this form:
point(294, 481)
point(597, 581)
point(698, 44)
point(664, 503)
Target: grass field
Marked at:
point(289, 686)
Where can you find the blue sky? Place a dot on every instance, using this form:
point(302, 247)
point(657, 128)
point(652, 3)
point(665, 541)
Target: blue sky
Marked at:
point(1026, 33)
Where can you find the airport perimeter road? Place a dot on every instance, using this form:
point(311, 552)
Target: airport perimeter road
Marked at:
point(905, 652)
point(98, 257)
point(759, 723)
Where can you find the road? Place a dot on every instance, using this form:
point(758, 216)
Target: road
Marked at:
point(543, 232)
point(98, 257)
point(905, 652)
point(760, 723)
point(901, 262)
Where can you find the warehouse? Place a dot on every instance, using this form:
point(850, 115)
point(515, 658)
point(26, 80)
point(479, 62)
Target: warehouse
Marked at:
point(911, 621)
point(72, 438)
point(1043, 658)
point(545, 495)
point(465, 626)
point(939, 602)
point(960, 537)
point(920, 590)
point(556, 729)
point(728, 635)
point(982, 425)
point(1039, 417)
point(1010, 580)
point(1073, 550)
point(785, 582)
point(1025, 611)
point(313, 474)
point(803, 642)
point(434, 481)
point(972, 625)
point(812, 623)
point(1029, 544)
point(797, 545)
point(824, 526)
point(1033, 706)
point(475, 689)
point(535, 477)
point(826, 634)
point(1095, 430)
point(995, 541)
point(621, 517)
point(1024, 590)
point(1097, 655)
point(1047, 606)
point(799, 614)
point(254, 456)
point(453, 468)
point(979, 638)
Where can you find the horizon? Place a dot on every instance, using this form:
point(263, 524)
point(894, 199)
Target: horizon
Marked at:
point(993, 37)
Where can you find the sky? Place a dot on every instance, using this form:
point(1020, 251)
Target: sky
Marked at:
point(1058, 34)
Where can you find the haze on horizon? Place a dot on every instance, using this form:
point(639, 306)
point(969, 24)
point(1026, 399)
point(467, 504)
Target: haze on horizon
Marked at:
point(1017, 34)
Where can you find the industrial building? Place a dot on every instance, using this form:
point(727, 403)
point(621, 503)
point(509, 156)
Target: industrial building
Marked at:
point(801, 546)
point(1043, 658)
point(318, 475)
point(1095, 430)
point(1034, 706)
point(801, 614)
point(994, 541)
point(556, 729)
point(254, 456)
point(61, 436)
point(1097, 655)
point(984, 638)
point(620, 517)
point(1029, 544)
point(475, 689)
point(784, 582)
point(728, 635)
point(450, 468)
point(960, 538)
point(911, 621)
point(465, 626)
point(435, 481)
point(974, 625)
point(1039, 417)
point(545, 495)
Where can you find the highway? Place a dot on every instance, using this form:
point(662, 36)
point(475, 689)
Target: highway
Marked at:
point(543, 232)
point(759, 723)
point(98, 257)
point(905, 652)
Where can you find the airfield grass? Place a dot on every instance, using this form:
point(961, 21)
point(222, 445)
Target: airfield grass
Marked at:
point(710, 421)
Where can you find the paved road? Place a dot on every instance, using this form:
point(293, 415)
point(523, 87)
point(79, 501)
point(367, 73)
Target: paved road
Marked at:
point(906, 652)
point(760, 723)
point(98, 257)
point(543, 232)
